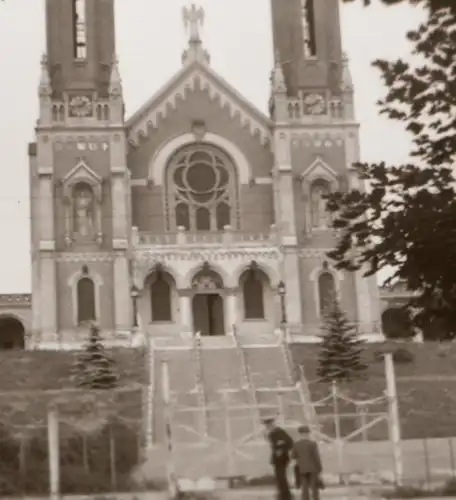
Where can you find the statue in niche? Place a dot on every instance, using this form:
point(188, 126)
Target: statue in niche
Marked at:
point(83, 211)
point(320, 217)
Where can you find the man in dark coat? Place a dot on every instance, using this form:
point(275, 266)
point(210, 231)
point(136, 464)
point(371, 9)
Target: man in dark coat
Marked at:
point(308, 462)
point(281, 447)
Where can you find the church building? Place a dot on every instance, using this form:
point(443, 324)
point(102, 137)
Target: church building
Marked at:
point(198, 213)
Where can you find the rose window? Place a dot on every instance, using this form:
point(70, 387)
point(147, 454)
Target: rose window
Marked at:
point(201, 190)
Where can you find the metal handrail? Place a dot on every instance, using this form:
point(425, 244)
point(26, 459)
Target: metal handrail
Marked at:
point(199, 373)
point(301, 385)
point(248, 379)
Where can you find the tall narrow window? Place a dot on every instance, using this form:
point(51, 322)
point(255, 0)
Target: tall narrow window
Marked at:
point(308, 28)
point(160, 298)
point(79, 29)
point(86, 300)
point(253, 296)
point(326, 291)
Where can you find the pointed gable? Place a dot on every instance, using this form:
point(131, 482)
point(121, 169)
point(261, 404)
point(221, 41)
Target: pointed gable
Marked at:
point(81, 172)
point(319, 169)
point(191, 77)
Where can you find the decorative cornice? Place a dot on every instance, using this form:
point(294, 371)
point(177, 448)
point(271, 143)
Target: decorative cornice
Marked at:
point(203, 79)
point(307, 253)
point(215, 254)
point(85, 257)
point(66, 135)
point(318, 138)
point(15, 300)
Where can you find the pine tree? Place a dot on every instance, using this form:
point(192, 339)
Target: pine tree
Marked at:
point(340, 356)
point(94, 368)
point(406, 220)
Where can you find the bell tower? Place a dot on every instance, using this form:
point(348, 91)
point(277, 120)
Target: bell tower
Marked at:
point(80, 183)
point(307, 42)
point(80, 44)
point(312, 95)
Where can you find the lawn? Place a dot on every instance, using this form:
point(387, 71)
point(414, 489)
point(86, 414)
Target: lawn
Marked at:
point(426, 390)
point(426, 387)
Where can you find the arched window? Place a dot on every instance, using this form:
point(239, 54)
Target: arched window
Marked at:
point(86, 300)
point(201, 190)
point(160, 298)
point(319, 215)
point(326, 291)
point(253, 296)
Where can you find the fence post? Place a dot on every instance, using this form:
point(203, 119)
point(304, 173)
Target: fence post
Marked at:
point(427, 465)
point(228, 434)
point(170, 466)
point(281, 405)
point(148, 394)
point(23, 462)
point(393, 421)
point(112, 458)
point(450, 444)
point(53, 451)
point(338, 432)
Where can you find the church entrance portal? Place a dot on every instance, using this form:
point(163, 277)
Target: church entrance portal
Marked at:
point(12, 334)
point(208, 318)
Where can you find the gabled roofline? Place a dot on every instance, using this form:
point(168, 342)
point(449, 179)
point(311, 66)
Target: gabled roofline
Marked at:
point(261, 123)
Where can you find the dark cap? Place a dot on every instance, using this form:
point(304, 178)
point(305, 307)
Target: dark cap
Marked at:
point(269, 420)
point(303, 429)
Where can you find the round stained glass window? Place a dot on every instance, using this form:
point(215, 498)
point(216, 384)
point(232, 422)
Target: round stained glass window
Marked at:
point(203, 178)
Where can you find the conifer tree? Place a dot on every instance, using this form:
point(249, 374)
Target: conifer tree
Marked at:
point(94, 368)
point(340, 356)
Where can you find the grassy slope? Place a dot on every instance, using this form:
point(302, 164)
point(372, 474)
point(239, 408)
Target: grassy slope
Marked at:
point(426, 388)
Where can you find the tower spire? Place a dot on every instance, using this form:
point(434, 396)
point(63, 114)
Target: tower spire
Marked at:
point(347, 81)
point(115, 82)
point(277, 77)
point(193, 18)
point(45, 88)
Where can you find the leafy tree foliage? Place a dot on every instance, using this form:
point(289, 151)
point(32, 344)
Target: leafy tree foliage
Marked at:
point(433, 5)
point(340, 356)
point(407, 218)
point(94, 368)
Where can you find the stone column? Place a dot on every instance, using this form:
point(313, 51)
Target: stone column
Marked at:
point(119, 207)
point(364, 303)
point(292, 279)
point(231, 309)
point(185, 307)
point(123, 313)
point(284, 178)
point(46, 209)
point(48, 297)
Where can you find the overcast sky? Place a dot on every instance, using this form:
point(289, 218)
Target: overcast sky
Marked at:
point(150, 40)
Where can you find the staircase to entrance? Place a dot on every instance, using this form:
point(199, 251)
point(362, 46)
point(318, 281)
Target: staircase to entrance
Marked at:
point(221, 389)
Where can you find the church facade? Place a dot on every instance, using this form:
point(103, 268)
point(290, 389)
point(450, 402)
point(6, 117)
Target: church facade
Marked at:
point(198, 213)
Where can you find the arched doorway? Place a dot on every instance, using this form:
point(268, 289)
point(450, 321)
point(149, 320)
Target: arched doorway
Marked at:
point(207, 303)
point(12, 333)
